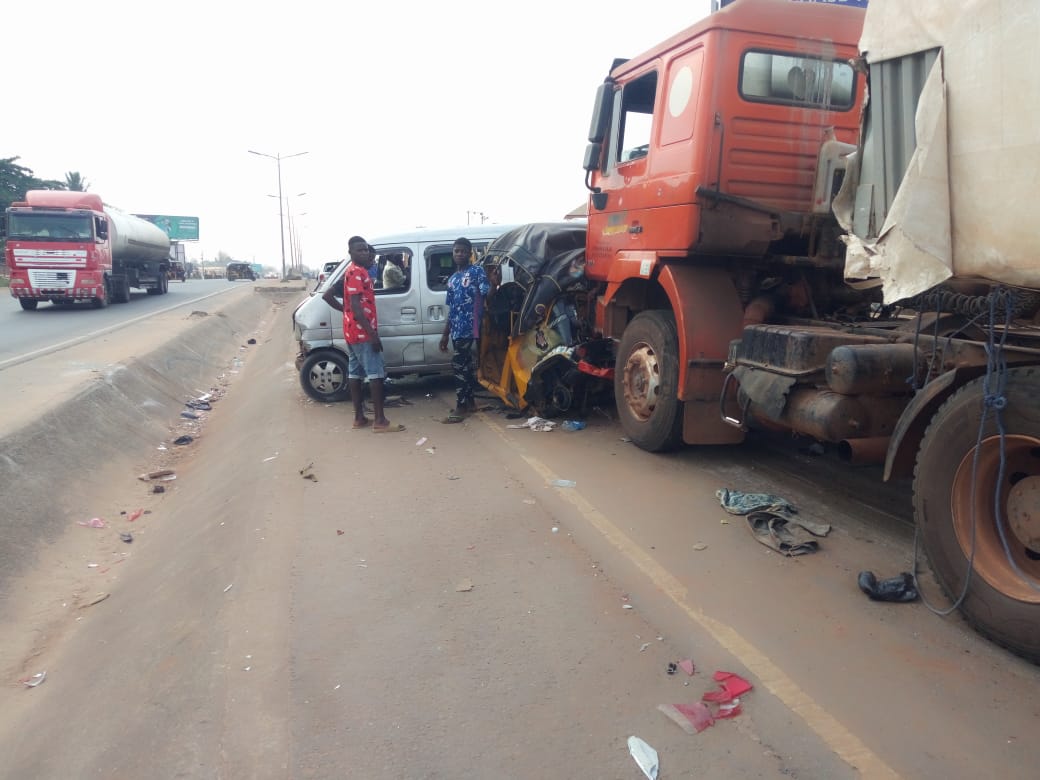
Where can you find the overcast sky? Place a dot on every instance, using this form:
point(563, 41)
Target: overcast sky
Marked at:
point(410, 113)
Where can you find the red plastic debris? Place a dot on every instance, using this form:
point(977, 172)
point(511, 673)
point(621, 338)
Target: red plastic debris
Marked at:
point(687, 666)
point(732, 686)
point(691, 718)
point(339, 532)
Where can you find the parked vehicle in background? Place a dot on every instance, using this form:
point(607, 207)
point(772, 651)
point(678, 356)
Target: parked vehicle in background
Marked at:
point(411, 317)
point(69, 246)
point(327, 269)
point(237, 271)
point(178, 262)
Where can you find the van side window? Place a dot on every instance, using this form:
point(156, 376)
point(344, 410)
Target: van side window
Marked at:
point(794, 79)
point(393, 271)
point(633, 119)
point(440, 265)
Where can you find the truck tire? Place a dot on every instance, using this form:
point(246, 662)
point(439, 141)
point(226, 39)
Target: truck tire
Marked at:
point(160, 287)
point(120, 289)
point(102, 300)
point(999, 603)
point(646, 382)
point(323, 376)
point(28, 304)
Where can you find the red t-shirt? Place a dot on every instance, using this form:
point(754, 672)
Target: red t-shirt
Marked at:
point(357, 281)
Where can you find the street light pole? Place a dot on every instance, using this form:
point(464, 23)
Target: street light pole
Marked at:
point(278, 157)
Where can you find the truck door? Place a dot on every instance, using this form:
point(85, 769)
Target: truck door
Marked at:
point(398, 307)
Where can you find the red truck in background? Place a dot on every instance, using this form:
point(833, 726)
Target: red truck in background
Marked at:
point(768, 250)
point(69, 246)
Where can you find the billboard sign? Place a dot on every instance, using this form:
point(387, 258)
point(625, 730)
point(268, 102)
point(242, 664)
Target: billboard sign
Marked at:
point(177, 228)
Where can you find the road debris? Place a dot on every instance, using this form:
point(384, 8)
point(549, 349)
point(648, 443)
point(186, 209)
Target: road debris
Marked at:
point(687, 666)
point(421, 442)
point(36, 679)
point(229, 587)
point(94, 522)
point(134, 515)
point(306, 472)
point(567, 483)
point(700, 546)
point(126, 537)
point(643, 646)
point(773, 521)
point(536, 424)
point(158, 489)
point(730, 687)
point(269, 459)
point(691, 718)
point(182, 440)
point(464, 586)
point(339, 532)
point(898, 589)
point(189, 415)
point(162, 474)
point(573, 425)
point(645, 757)
point(672, 668)
point(97, 599)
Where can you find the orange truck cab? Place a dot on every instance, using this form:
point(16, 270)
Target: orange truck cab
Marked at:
point(712, 158)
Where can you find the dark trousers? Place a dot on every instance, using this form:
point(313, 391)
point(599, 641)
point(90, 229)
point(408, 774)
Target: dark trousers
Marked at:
point(465, 372)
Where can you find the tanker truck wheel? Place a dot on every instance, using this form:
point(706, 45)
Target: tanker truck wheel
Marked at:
point(646, 382)
point(102, 300)
point(1003, 599)
point(28, 304)
point(120, 289)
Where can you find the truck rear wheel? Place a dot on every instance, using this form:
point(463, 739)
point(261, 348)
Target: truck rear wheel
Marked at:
point(28, 304)
point(1003, 598)
point(646, 382)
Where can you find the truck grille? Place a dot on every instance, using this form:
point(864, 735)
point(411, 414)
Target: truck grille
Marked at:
point(52, 280)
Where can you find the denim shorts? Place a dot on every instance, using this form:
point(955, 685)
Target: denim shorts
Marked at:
point(363, 362)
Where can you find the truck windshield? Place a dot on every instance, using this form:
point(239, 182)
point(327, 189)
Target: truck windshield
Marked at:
point(772, 77)
point(28, 226)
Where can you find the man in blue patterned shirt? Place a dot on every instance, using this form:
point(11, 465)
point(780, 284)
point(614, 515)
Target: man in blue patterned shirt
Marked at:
point(467, 288)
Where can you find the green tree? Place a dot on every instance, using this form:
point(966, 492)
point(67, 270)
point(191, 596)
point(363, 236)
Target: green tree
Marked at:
point(76, 183)
point(16, 180)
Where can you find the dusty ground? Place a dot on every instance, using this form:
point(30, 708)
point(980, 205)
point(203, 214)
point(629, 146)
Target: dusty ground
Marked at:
point(266, 625)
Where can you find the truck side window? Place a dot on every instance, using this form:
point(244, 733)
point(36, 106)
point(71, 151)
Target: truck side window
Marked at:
point(794, 79)
point(635, 121)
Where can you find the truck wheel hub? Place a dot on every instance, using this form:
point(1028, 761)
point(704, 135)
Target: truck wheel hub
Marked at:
point(642, 381)
point(1023, 506)
point(975, 519)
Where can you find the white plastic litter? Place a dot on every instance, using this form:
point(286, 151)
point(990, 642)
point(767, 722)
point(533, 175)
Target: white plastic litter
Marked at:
point(645, 756)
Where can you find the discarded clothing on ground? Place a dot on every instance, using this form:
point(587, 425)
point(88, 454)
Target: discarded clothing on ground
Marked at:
point(773, 521)
point(898, 589)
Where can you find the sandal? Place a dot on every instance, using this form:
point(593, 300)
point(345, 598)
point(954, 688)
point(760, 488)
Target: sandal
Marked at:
point(392, 428)
point(453, 418)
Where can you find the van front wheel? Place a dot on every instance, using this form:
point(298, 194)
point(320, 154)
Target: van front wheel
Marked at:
point(323, 376)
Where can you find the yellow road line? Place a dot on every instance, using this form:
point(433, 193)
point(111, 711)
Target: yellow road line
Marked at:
point(843, 742)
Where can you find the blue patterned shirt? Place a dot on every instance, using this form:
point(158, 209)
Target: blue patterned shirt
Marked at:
point(466, 291)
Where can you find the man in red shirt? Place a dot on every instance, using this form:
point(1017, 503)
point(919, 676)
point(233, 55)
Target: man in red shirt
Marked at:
point(361, 331)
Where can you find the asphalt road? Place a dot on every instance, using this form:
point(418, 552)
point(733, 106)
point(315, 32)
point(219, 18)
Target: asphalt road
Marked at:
point(29, 333)
point(310, 601)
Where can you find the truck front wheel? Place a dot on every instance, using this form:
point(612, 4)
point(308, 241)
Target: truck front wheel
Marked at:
point(102, 300)
point(120, 289)
point(28, 304)
point(646, 382)
point(1003, 598)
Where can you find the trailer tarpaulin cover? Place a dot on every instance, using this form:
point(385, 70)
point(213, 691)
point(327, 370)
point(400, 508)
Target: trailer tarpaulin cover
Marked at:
point(966, 205)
